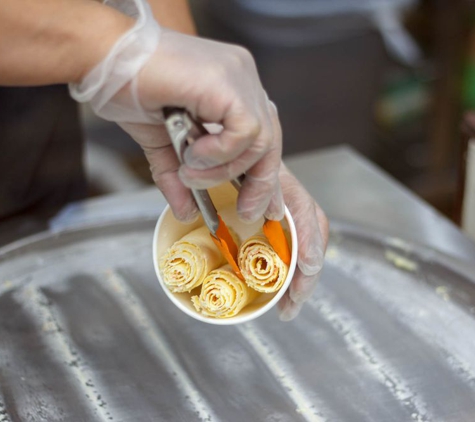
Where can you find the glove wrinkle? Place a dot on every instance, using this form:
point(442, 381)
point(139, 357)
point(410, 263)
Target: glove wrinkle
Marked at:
point(111, 86)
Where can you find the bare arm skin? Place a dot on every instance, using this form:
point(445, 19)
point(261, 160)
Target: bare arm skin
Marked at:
point(174, 14)
point(55, 41)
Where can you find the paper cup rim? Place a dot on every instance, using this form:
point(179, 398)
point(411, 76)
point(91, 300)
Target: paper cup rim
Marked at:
point(236, 319)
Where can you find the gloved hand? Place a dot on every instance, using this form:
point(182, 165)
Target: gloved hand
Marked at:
point(150, 68)
point(312, 235)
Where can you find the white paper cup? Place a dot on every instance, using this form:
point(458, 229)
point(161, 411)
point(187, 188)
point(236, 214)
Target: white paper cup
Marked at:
point(168, 230)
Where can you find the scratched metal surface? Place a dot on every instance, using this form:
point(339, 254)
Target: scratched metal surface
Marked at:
point(87, 335)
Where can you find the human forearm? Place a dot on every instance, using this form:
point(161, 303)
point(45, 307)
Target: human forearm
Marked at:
point(173, 14)
point(55, 41)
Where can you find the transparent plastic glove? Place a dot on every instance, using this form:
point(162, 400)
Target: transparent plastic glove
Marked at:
point(110, 87)
point(312, 233)
point(217, 83)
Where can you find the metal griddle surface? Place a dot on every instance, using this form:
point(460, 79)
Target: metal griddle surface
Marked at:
point(86, 334)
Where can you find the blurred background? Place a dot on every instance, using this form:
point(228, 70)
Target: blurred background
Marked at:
point(390, 78)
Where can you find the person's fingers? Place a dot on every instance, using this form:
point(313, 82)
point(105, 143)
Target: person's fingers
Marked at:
point(261, 192)
point(218, 157)
point(275, 210)
point(288, 309)
point(247, 126)
point(302, 286)
point(307, 215)
point(260, 161)
point(300, 290)
point(215, 150)
point(260, 185)
point(164, 166)
point(225, 89)
point(257, 189)
point(312, 233)
point(147, 135)
point(312, 245)
point(203, 179)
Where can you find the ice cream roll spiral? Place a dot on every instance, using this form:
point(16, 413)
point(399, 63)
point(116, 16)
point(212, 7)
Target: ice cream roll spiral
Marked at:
point(223, 294)
point(188, 261)
point(260, 265)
